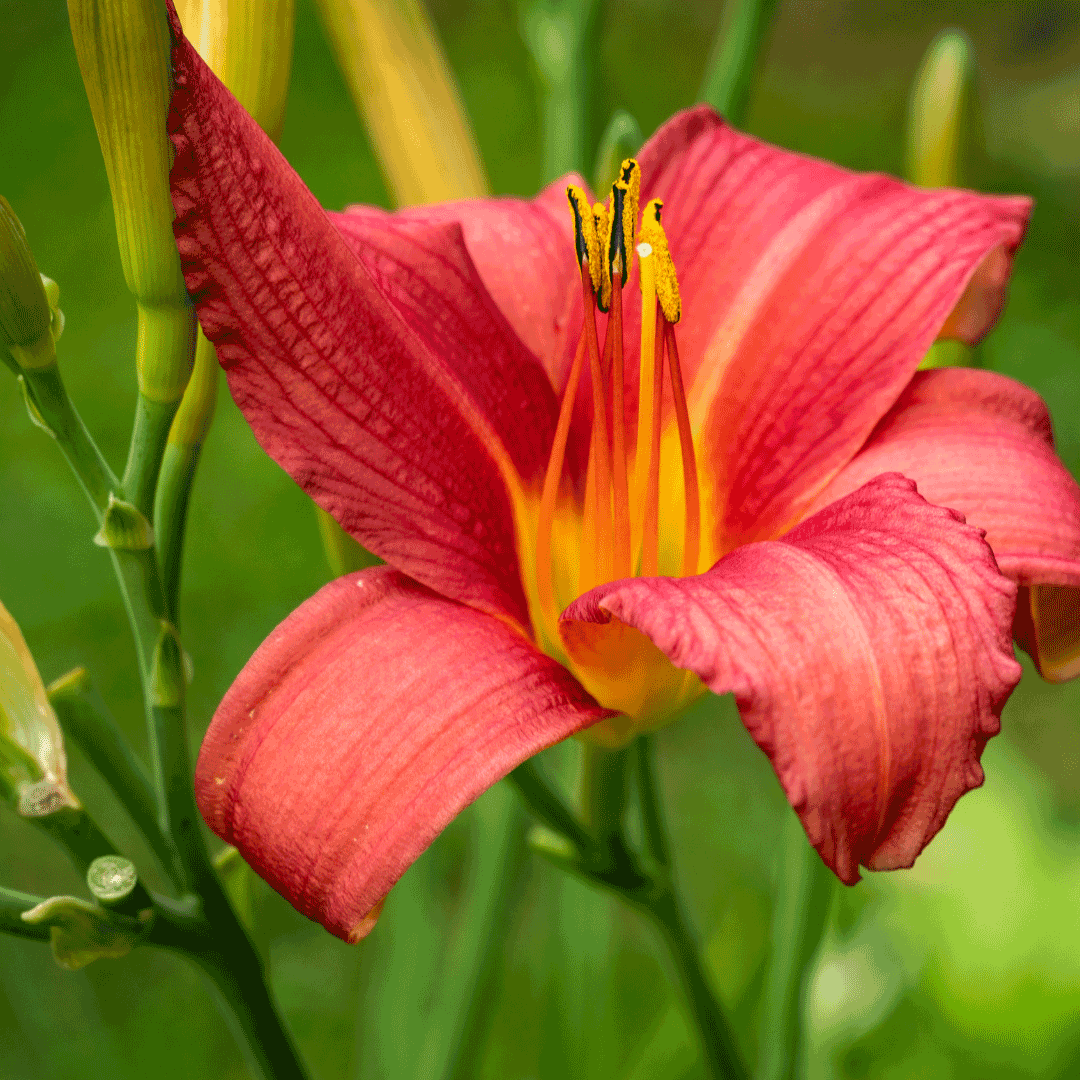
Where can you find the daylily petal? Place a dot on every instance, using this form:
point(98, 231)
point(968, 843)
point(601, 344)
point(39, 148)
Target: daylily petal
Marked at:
point(869, 654)
point(523, 250)
point(981, 443)
point(426, 272)
point(387, 435)
point(370, 717)
point(810, 294)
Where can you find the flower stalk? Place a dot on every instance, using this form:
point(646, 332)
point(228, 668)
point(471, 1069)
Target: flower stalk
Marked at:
point(642, 880)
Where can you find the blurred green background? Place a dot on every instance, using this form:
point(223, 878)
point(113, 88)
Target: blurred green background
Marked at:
point(968, 966)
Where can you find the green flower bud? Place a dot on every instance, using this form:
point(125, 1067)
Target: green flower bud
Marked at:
point(123, 49)
point(82, 932)
point(622, 139)
point(944, 123)
point(25, 315)
point(248, 46)
point(33, 765)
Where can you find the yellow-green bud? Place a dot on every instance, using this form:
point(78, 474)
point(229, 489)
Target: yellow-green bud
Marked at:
point(622, 139)
point(25, 314)
point(248, 45)
point(123, 50)
point(33, 765)
point(943, 118)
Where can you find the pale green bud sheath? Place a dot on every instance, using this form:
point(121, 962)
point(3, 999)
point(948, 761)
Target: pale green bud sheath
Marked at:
point(25, 314)
point(944, 130)
point(33, 764)
point(622, 139)
point(123, 50)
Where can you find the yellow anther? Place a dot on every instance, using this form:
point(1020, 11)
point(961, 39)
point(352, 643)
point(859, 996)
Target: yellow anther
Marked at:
point(585, 237)
point(667, 285)
point(629, 182)
point(602, 218)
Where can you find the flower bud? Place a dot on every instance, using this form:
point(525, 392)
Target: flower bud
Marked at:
point(248, 46)
point(123, 48)
point(622, 139)
point(25, 314)
point(403, 88)
point(33, 765)
point(943, 119)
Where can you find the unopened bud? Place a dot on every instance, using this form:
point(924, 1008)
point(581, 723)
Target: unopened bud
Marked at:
point(622, 139)
point(944, 127)
point(123, 48)
point(25, 315)
point(248, 46)
point(33, 765)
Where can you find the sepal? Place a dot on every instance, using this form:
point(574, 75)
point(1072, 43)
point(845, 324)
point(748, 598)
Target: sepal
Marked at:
point(168, 673)
point(32, 408)
point(124, 528)
point(82, 932)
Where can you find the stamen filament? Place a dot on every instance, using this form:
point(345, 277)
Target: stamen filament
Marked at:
point(544, 580)
point(600, 444)
point(650, 544)
point(621, 551)
point(692, 537)
point(647, 285)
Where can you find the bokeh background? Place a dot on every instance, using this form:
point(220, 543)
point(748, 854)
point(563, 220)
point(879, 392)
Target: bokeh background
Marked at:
point(487, 962)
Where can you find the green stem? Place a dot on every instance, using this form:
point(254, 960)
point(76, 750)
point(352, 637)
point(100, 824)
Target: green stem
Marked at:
point(604, 790)
point(656, 841)
point(46, 393)
point(215, 939)
point(648, 886)
point(733, 64)
point(488, 926)
point(178, 465)
point(12, 905)
point(545, 803)
point(804, 893)
point(217, 942)
point(148, 435)
point(78, 834)
point(717, 1039)
point(87, 722)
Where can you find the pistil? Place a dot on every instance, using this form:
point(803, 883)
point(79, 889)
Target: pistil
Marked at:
point(692, 532)
point(552, 478)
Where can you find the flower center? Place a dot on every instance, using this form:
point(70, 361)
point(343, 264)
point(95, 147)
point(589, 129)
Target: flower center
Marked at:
point(620, 511)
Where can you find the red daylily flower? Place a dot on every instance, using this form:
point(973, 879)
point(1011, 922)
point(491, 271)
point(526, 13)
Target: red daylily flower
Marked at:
point(407, 370)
